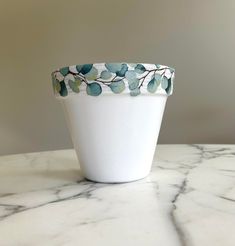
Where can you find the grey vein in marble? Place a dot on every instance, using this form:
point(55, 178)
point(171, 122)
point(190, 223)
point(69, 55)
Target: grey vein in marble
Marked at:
point(188, 199)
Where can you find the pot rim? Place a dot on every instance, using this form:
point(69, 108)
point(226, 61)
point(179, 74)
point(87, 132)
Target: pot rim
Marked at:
point(114, 77)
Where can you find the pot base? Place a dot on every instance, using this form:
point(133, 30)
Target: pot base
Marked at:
point(116, 181)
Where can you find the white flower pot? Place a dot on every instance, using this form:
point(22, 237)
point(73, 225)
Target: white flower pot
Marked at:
point(114, 113)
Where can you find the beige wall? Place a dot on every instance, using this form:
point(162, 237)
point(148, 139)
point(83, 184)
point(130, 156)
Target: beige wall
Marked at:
point(195, 37)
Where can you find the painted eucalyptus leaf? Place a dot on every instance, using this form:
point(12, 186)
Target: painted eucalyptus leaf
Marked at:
point(158, 78)
point(92, 74)
point(64, 71)
point(74, 86)
point(68, 77)
point(113, 67)
point(164, 82)
point(169, 87)
point(63, 90)
point(130, 75)
point(133, 84)
point(152, 85)
point(86, 68)
point(79, 67)
point(122, 72)
point(56, 85)
point(93, 89)
point(140, 68)
point(105, 75)
point(135, 92)
point(78, 81)
point(117, 87)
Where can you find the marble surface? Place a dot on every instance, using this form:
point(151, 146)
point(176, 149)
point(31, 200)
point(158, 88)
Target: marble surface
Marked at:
point(188, 199)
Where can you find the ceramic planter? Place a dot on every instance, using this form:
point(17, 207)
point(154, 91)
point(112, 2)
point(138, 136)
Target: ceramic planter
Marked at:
point(114, 113)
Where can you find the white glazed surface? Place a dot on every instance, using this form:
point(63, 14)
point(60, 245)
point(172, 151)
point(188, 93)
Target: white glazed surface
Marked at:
point(114, 135)
point(188, 199)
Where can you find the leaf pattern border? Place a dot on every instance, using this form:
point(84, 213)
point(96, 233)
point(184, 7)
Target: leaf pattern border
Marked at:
point(114, 75)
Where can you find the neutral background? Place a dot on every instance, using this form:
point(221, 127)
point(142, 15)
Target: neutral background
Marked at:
point(197, 38)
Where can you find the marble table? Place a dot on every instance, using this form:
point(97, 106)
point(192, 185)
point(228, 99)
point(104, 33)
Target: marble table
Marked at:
point(188, 199)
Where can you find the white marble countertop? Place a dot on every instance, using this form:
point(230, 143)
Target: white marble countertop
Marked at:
point(188, 199)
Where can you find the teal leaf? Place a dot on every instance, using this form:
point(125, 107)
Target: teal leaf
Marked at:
point(164, 82)
point(56, 85)
point(168, 89)
point(152, 85)
point(86, 68)
point(92, 74)
point(130, 75)
point(117, 87)
point(63, 91)
point(74, 85)
point(140, 68)
point(64, 71)
point(133, 84)
point(78, 81)
point(158, 78)
point(68, 77)
point(122, 72)
point(113, 67)
point(158, 66)
point(105, 75)
point(135, 92)
point(93, 89)
point(79, 67)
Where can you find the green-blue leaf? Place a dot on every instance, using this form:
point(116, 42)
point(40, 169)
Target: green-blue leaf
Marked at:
point(79, 67)
point(152, 85)
point(105, 75)
point(56, 84)
point(92, 74)
point(133, 84)
point(164, 82)
point(63, 91)
point(122, 72)
point(158, 78)
point(64, 71)
point(140, 68)
point(74, 85)
point(168, 89)
point(135, 92)
point(117, 87)
point(130, 75)
point(113, 67)
point(93, 89)
point(86, 68)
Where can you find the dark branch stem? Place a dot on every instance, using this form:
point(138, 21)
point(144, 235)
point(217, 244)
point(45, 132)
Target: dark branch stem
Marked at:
point(149, 71)
point(83, 78)
point(114, 79)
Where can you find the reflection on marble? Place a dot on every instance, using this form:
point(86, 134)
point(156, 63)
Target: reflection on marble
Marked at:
point(188, 199)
